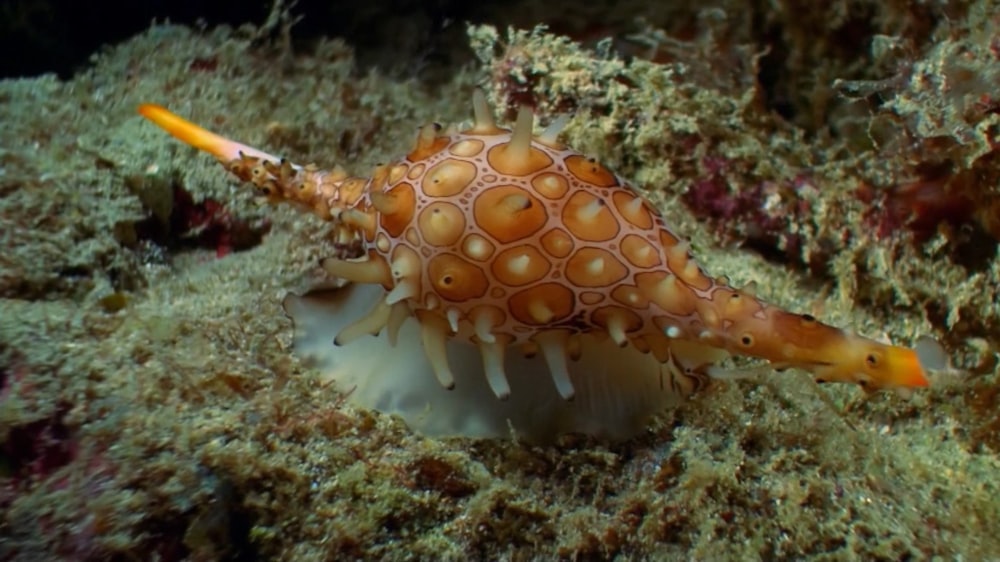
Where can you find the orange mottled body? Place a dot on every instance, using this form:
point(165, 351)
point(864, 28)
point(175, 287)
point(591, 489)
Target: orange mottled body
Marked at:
point(502, 238)
point(519, 249)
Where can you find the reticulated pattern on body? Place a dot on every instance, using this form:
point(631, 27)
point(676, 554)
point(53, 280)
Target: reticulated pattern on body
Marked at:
point(503, 239)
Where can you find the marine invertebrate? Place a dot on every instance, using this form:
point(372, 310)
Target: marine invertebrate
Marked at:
point(494, 239)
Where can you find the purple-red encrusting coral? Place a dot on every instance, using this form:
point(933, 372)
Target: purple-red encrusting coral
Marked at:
point(940, 195)
point(46, 455)
point(919, 206)
point(37, 449)
point(764, 215)
point(201, 224)
point(33, 450)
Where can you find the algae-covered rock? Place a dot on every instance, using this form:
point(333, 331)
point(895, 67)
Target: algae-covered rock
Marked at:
point(166, 416)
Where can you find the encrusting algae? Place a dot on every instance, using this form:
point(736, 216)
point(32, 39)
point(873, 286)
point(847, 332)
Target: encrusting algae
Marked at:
point(499, 238)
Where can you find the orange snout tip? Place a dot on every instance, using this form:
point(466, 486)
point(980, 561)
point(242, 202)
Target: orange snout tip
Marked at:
point(906, 369)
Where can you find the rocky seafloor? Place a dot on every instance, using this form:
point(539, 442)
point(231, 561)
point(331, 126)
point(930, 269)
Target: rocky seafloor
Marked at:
point(846, 162)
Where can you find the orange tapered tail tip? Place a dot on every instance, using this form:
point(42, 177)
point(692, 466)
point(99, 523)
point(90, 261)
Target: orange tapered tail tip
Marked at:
point(198, 137)
point(185, 130)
